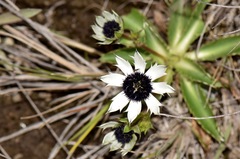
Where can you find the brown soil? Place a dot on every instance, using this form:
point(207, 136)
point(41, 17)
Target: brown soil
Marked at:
point(35, 144)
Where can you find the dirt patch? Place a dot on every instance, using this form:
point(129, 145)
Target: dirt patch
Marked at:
point(30, 144)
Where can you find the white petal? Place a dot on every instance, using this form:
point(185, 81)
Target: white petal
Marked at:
point(161, 88)
point(98, 37)
point(134, 108)
point(129, 146)
point(113, 79)
point(96, 29)
point(153, 104)
point(100, 21)
point(108, 138)
point(111, 124)
point(124, 66)
point(108, 15)
point(156, 71)
point(139, 62)
point(116, 16)
point(120, 22)
point(115, 145)
point(119, 102)
point(105, 42)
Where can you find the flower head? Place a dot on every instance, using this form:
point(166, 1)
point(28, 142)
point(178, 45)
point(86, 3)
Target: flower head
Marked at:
point(118, 139)
point(109, 27)
point(137, 85)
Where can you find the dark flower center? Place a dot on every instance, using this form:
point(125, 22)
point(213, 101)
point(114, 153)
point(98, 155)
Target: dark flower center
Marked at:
point(137, 86)
point(109, 28)
point(123, 137)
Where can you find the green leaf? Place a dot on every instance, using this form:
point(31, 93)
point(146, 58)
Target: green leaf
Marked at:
point(125, 53)
point(145, 32)
point(216, 49)
point(153, 41)
point(169, 76)
point(195, 72)
point(91, 124)
point(126, 129)
point(223, 146)
point(134, 21)
point(177, 23)
point(126, 42)
point(196, 102)
point(185, 26)
point(182, 19)
point(143, 122)
point(110, 57)
point(7, 18)
point(200, 7)
point(87, 128)
point(192, 31)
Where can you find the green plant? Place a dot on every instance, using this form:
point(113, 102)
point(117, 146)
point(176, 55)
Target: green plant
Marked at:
point(184, 28)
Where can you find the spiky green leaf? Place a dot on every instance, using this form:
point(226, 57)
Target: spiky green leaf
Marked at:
point(192, 31)
point(155, 42)
point(195, 72)
point(126, 53)
point(196, 102)
point(177, 22)
point(134, 21)
point(194, 28)
point(144, 32)
point(217, 49)
point(200, 7)
point(185, 25)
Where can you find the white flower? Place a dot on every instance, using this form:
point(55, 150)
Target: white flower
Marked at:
point(109, 27)
point(118, 139)
point(137, 86)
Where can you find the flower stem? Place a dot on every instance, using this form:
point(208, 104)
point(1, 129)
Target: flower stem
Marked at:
point(145, 47)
